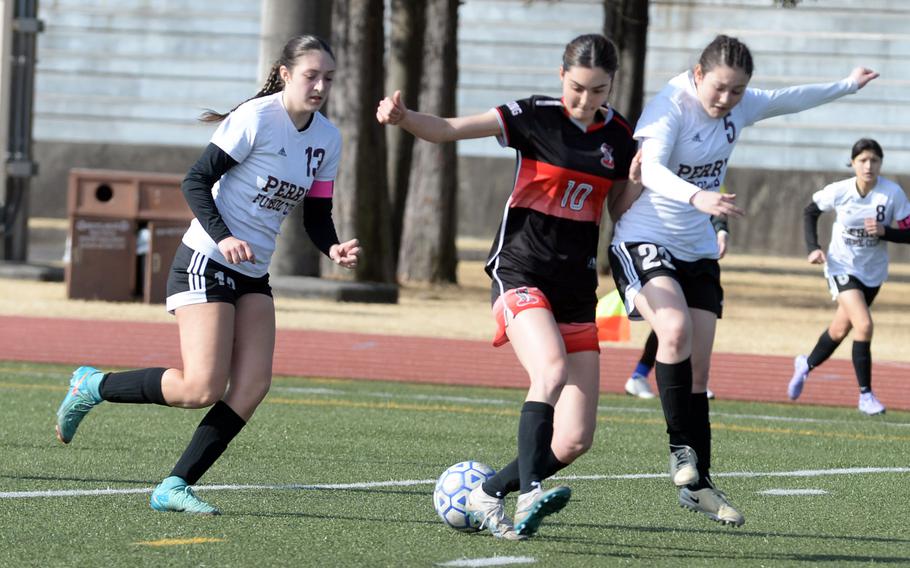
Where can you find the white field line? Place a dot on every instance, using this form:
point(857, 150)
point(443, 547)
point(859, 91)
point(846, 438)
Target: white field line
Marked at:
point(492, 561)
point(416, 482)
point(601, 408)
point(504, 402)
point(789, 492)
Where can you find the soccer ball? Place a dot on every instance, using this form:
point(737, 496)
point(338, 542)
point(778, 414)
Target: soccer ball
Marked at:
point(451, 493)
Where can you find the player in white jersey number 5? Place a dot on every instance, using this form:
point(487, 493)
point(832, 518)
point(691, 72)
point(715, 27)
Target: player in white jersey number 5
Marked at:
point(269, 154)
point(857, 262)
point(664, 251)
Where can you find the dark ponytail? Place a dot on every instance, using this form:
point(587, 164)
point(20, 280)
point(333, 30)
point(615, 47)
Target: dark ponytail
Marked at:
point(590, 51)
point(294, 48)
point(728, 51)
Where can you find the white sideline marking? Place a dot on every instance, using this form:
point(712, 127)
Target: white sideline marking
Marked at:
point(414, 482)
point(600, 408)
point(395, 396)
point(751, 474)
point(493, 561)
point(787, 492)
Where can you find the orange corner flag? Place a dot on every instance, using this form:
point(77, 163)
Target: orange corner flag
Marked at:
point(612, 321)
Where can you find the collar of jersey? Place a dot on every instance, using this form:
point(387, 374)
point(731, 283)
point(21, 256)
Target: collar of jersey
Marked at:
point(596, 125)
point(291, 122)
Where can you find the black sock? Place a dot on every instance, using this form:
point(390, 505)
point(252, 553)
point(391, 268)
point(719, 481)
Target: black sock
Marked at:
point(142, 386)
point(508, 480)
point(212, 436)
point(700, 431)
point(862, 364)
point(674, 382)
point(822, 350)
point(535, 434)
point(649, 354)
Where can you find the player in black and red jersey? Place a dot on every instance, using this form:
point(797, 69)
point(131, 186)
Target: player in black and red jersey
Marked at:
point(572, 154)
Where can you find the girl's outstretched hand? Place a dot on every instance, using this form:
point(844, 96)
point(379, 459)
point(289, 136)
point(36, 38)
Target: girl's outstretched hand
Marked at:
point(862, 75)
point(391, 110)
point(345, 254)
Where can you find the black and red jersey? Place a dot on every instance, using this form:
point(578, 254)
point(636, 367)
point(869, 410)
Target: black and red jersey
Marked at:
point(550, 225)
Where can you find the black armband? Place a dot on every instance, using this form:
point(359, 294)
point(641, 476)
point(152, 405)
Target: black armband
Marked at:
point(719, 222)
point(810, 226)
point(197, 190)
point(317, 221)
point(896, 235)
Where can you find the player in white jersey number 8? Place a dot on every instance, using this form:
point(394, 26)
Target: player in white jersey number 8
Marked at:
point(664, 251)
point(857, 262)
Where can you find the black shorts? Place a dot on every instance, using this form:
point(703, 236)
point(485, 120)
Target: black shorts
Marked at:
point(571, 302)
point(634, 264)
point(197, 279)
point(843, 282)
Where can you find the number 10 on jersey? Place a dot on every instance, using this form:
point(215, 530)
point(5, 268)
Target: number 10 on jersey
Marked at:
point(574, 195)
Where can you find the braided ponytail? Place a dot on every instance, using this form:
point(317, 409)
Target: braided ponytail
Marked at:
point(293, 49)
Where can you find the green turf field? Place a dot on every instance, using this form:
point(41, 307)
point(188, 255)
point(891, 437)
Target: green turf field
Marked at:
point(337, 473)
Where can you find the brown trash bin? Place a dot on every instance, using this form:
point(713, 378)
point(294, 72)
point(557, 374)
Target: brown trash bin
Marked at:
point(108, 209)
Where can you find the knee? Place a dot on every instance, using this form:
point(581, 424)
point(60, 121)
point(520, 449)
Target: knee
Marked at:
point(838, 331)
point(569, 448)
point(862, 331)
point(674, 335)
point(245, 400)
point(552, 377)
point(201, 395)
point(203, 398)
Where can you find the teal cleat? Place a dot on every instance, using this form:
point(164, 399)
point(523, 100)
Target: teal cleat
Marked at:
point(532, 507)
point(174, 495)
point(80, 398)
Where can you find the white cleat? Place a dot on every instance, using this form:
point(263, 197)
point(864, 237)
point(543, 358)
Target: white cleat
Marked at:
point(682, 466)
point(800, 373)
point(711, 502)
point(638, 386)
point(869, 405)
point(490, 513)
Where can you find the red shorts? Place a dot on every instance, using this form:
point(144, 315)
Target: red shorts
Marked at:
point(577, 336)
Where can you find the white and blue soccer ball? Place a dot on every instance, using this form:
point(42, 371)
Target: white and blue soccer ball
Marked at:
point(451, 493)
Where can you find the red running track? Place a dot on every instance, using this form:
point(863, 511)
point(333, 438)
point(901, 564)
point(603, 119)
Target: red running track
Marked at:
point(421, 359)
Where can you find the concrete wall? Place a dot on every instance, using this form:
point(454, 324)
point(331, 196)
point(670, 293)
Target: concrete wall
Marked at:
point(121, 88)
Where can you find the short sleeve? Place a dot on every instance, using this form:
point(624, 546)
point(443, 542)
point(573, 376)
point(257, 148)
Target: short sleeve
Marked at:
point(901, 205)
point(236, 133)
point(328, 169)
point(826, 197)
point(515, 118)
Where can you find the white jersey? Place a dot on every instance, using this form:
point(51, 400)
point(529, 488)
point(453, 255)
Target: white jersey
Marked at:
point(276, 168)
point(685, 150)
point(852, 251)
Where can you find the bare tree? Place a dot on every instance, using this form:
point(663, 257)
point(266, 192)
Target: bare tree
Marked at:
point(281, 20)
point(361, 194)
point(427, 252)
point(407, 20)
point(626, 23)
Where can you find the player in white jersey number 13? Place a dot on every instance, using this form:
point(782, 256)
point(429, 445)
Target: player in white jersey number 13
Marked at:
point(664, 251)
point(857, 262)
point(271, 153)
